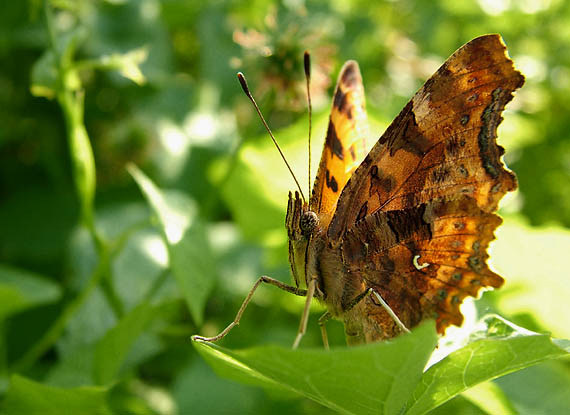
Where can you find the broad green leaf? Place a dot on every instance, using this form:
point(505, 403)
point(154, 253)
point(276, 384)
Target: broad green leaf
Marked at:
point(31, 398)
point(500, 348)
point(21, 289)
point(111, 351)
point(376, 378)
point(189, 252)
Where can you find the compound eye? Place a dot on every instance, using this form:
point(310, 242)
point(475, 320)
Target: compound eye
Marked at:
point(308, 222)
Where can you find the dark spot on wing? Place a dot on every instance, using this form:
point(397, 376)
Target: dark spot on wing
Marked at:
point(341, 103)
point(489, 152)
point(362, 212)
point(352, 152)
point(476, 246)
point(404, 134)
point(475, 263)
point(350, 76)
point(331, 181)
point(333, 142)
point(464, 120)
point(380, 182)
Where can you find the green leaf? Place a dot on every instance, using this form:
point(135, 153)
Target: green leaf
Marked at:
point(189, 252)
point(128, 64)
point(21, 289)
point(111, 351)
point(44, 76)
point(489, 397)
point(375, 378)
point(31, 398)
point(500, 348)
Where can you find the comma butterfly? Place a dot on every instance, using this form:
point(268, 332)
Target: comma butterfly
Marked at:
point(399, 235)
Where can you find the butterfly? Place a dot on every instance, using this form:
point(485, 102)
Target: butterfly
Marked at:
point(399, 234)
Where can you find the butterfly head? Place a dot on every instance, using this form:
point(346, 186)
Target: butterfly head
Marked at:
point(301, 224)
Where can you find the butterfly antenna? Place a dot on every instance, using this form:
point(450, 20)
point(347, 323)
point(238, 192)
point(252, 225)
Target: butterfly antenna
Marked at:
point(245, 88)
point(307, 65)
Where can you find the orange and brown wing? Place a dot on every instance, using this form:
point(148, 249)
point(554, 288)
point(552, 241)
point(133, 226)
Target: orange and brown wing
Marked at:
point(443, 143)
point(416, 217)
point(345, 146)
point(423, 261)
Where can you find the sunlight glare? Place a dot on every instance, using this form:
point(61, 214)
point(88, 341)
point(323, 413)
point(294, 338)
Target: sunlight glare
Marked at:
point(531, 67)
point(155, 249)
point(533, 6)
point(173, 138)
point(494, 7)
point(456, 337)
point(201, 126)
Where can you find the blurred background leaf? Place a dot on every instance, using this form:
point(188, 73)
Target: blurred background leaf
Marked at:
point(192, 132)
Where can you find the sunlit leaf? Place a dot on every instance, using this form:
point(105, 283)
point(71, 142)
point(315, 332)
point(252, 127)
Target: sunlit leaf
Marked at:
point(190, 257)
point(491, 398)
point(376, 378)
point(128, 64)
point(500, 348)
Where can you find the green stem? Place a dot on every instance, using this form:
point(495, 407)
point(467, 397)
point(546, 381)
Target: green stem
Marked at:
point(71, 103)
point(156, 285)
point(54, 332)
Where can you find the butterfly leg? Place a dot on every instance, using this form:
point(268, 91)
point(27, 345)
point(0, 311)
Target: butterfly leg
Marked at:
point(386, 307)
point(322, 321)
point(305, 317)
point(383, 303)
point(263, 279)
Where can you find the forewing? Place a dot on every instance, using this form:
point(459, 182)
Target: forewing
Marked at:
point(345, 146)
point(443, 143)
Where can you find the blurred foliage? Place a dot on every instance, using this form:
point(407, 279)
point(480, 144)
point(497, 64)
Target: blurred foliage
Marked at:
point(103, 282)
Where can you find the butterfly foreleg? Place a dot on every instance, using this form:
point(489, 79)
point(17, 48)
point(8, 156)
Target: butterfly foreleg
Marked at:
point(305, 317)
point(322, 322)
point(263, 279)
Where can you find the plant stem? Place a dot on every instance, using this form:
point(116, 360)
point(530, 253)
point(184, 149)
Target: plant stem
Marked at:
point(54, 332)
point(71, 103)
